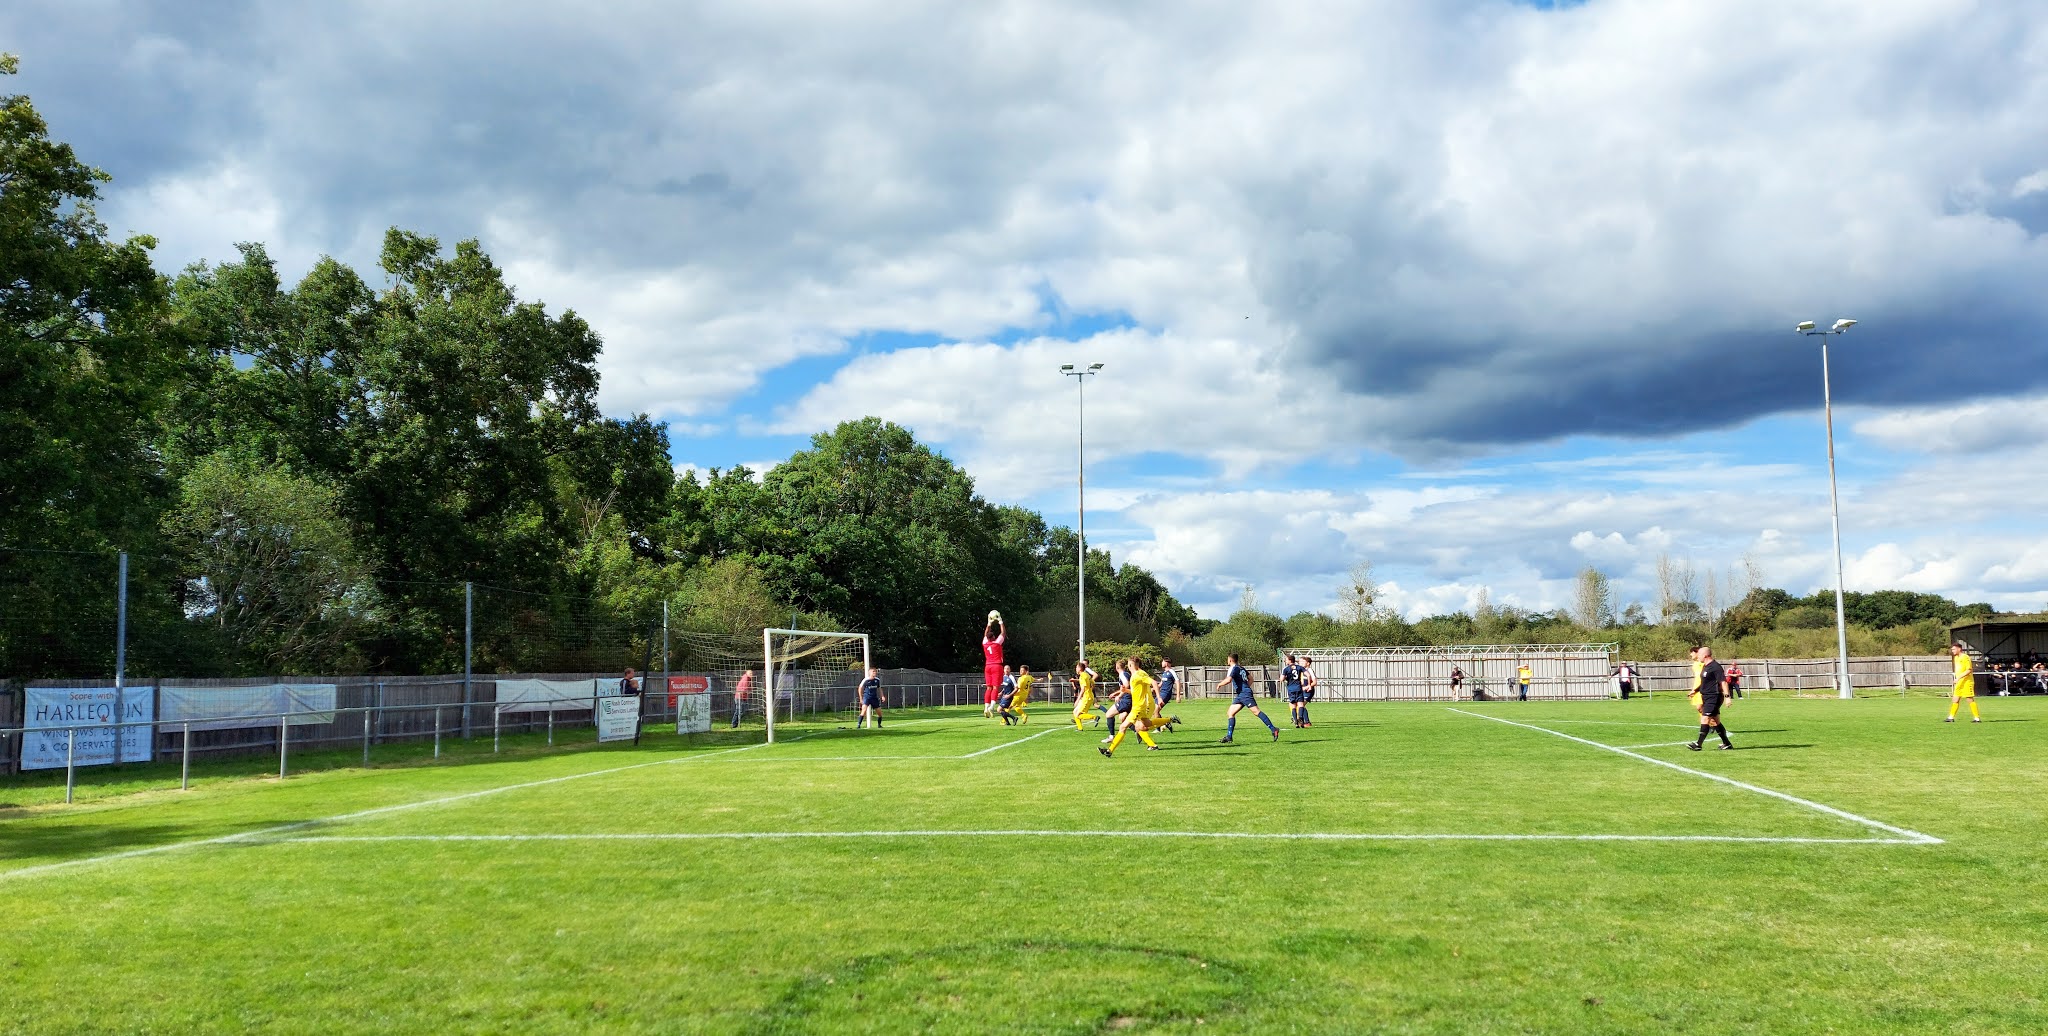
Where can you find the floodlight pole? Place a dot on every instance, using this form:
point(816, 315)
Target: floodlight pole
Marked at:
point(1080, 504)
point(1842, 688)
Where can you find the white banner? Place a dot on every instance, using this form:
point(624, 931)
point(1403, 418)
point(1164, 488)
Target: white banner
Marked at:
point(693, 713)
point(618, 717)
point(544, 695)
point(230, 708)
point(77, 706)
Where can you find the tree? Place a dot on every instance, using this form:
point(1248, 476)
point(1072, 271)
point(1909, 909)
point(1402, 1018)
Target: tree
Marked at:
point(88, 360)
point(1358, 599)
point(869, 523)
point(272, 567)
point(1592, 600)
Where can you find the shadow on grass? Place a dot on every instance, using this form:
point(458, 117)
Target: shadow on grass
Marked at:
point(1768, 748)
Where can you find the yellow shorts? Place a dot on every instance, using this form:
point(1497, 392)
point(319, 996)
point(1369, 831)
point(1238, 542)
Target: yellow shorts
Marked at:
point(1085, 704)
point(1960, 692)
point(1694, 698)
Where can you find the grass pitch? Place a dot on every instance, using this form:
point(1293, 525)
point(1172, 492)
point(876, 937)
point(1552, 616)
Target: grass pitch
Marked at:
point(1858, 867)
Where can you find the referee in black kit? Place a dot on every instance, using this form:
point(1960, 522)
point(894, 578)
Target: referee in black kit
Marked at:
point(1712, 690)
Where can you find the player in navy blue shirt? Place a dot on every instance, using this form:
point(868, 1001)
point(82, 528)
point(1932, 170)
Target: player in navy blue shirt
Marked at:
point(1240, 684)
point(871, 699)
point(1308, 688)
point(1169, 689)
point(1290, 682)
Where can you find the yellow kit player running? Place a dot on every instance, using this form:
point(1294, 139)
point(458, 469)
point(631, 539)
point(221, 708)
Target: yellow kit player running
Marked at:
point(1965, 689)
point(1144, 712)
point(1084, 692)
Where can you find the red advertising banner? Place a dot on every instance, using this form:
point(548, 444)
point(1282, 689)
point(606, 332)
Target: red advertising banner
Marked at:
point(687, 685)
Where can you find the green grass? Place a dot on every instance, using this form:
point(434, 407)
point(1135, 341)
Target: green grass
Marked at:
point(378, 923)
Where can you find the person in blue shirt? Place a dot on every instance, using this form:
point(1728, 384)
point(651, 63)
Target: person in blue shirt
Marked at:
point(1290, 682)
point(1240, 683)
point(1169, 689)
point(871, 699)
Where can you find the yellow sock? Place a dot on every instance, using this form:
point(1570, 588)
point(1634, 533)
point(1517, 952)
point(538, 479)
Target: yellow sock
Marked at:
point(1953, 702)
point(1147, 738)
point(1077, 721)
point(1973, 709)
point(1118, 739)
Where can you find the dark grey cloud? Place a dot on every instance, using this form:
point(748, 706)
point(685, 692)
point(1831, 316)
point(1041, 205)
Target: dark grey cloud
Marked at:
point(1491, 224)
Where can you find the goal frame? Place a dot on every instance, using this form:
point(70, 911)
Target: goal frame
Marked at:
point(771, 688)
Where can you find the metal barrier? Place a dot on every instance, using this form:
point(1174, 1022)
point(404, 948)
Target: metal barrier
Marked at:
point(383, 723)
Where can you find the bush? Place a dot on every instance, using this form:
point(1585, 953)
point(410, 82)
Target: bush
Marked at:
point(1805, 617)
point(1103, 654)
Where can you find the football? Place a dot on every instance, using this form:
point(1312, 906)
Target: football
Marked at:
point(994, 615)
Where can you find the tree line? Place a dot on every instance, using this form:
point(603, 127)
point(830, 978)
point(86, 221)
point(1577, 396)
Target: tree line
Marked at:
point(362, 474)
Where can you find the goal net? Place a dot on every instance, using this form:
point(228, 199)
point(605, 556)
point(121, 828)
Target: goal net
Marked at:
point(756, 682)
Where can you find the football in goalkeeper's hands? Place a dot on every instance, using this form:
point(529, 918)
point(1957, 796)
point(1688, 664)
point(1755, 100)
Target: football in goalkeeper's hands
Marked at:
point(994, 615)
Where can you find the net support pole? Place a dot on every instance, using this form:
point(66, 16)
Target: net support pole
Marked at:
point(468, 642)
point(120, 646)
point(768, 680)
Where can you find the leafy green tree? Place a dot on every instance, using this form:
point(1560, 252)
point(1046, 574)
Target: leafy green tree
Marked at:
point(274, 569)
point(87, 364)
point(869, 523)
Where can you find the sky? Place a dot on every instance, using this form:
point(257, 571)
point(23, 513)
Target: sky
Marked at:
point(1481, 292)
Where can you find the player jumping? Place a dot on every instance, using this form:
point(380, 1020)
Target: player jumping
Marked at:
point(1240, 684)
point(992, 637)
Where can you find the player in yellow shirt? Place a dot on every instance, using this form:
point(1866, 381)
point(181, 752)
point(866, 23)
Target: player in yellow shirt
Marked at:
point(1693, 695)
point(1084, 693)
point(1144, 716)
point(1024, 681)
point(1965, 689)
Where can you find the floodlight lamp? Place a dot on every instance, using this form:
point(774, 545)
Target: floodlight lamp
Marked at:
point(1804, 326)
point(1066, 366)
point(1097, 366)
point(1844, 324)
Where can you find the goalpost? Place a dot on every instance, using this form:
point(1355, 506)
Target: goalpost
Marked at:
point(749, 681)
point(801, 666)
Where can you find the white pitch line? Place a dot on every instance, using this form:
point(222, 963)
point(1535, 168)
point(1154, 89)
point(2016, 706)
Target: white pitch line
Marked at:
point(247, 836)
point(1019, 741)
point(1275, 836)
point(1660, 744)
point(1914, 837)
point(1611, 722)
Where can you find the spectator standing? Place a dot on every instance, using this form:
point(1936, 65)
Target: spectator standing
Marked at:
point(1626, 677)
point(1523, 674)
point(1735, 680)
point(739, 695)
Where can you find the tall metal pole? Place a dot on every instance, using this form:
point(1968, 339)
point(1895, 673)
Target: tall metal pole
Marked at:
point(1081, 506)
point(468, 643)
point(1842, 688)
point(121, 655)
point(121, 628)
point(1081, 518)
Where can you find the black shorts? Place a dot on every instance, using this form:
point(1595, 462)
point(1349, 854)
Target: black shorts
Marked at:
point(1294, 696)
point(1710, 705)
point(870, 701)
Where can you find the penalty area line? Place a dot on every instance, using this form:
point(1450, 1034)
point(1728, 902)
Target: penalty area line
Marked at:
point(1272, 836)
point(262, 834)
point(1905, 834)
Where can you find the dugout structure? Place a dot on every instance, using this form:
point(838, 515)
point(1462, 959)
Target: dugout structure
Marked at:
point(1557, 672)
